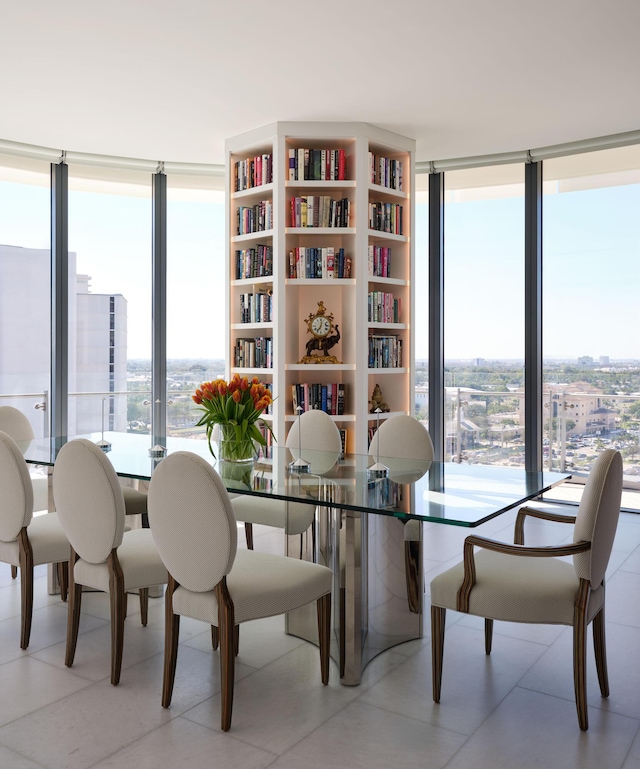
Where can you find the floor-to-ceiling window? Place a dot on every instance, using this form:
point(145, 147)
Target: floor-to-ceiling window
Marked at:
point(25, 290)
point(196, 296)
point(421, 301)
point(110, 269)
point(484, 315)
point(591, 284)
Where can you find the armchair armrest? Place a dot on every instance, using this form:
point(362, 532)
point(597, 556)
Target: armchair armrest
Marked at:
point(469, 579)
point(533, 512)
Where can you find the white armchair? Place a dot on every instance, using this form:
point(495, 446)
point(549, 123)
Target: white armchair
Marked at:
point(516, 583)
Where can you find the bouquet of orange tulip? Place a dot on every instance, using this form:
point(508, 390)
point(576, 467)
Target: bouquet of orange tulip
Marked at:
point(235, 406)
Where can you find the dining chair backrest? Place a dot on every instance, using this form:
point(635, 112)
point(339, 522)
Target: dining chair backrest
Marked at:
point(402, 437)
point(315, 430)
point(88, 499)
point(16, 495)
point(316, 433)
point(16, 424)
point(192, 521)
point(597, 517)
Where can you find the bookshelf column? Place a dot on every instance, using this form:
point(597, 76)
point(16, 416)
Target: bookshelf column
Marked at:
point(322, 213)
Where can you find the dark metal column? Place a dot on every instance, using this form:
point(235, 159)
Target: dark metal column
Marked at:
point(159, 310)
point(436, 313)
point(533, 316)
point(59, 299)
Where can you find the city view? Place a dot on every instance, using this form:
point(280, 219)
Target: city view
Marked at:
point(588, 405)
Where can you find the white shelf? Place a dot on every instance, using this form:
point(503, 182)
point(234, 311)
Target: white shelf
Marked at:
point(388, 281)
point(319, 230)
point(251, 192)
point(335, 417)
point(257, 236)
point(376, 189)
point(319, 281)
point(376, 371)
point(310, 184)
point(259, 372)
point(320, 366)
point(265, 279)
point(387, 326)
point(264, 326)
point(379, 235)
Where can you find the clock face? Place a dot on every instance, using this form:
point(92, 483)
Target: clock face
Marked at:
point(320, 325)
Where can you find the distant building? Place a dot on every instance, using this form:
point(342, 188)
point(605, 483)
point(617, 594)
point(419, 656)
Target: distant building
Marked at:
point(477, 362)
point(585, 360)
point(604, 360)
point(583, 409)
point(97, 342)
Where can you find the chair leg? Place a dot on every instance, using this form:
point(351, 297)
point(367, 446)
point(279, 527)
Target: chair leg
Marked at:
point(215, 637)
point(144, 605)
point(412, 561)
point(236, 640)
point(14, 572)
point(438, 615)
point(580, 653)
point(63, 579)
point(26, 587)
point(600, 649)
point(248, 532)
point(118, 602)
point(488, 635)
point(73, 614)
point(171, 636)
point(324, 634)
point(227, 656)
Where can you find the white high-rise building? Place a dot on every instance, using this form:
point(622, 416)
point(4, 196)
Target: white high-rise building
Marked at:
point(97, 342)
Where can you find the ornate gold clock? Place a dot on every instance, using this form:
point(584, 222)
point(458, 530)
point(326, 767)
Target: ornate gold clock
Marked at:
point(320, 325)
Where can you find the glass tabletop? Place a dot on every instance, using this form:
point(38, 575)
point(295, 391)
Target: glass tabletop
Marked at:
point(444, 492)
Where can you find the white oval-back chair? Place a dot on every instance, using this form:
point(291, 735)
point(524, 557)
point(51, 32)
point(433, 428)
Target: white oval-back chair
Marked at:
point(26, 541)
point(103, 556)
point(315, 432)
point(210, 580)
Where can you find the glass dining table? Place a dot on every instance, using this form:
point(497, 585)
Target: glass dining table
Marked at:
point(368, 530)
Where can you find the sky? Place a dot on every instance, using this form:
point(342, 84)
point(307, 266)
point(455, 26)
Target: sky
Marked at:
point(591, 272)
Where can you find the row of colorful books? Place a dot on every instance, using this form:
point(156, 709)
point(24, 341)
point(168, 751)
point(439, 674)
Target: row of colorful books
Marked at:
point(385, 172)
point(319, 263)
point(382, 307)
point(379, 261)
point(317, 165)
point(319, 211)
point(253, 172)
point(386, 217)
point(256, 352)
point(385, 351)
point(256, 308)
point(326, 397)
point(254, 262)
point(256, 218)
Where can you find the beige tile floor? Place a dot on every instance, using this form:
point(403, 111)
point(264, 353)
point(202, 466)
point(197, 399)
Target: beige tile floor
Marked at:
point(512, 709)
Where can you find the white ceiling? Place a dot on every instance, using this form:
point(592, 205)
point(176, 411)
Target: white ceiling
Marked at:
point(171, 79)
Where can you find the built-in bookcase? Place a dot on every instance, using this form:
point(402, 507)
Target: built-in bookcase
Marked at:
point(323, 212)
